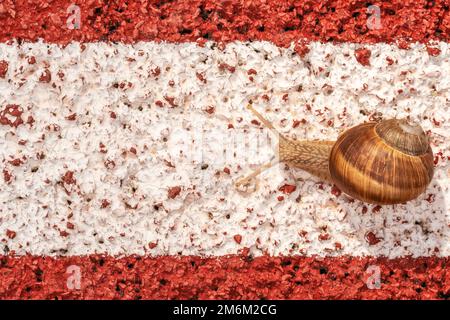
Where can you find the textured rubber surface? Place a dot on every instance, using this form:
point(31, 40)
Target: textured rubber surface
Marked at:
point(230, 277)
point(278, 21)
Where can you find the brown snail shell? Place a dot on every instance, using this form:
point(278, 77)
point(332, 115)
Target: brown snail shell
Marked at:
point(386, 162)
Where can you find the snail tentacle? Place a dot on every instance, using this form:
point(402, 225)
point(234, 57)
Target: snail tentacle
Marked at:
point(245, 180)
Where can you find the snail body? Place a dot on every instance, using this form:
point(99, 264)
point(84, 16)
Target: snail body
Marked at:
point(386, 162)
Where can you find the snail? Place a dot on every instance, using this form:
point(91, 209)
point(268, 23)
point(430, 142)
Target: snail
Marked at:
point(386, 162)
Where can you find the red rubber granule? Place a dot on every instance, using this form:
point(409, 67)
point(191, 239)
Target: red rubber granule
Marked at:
point(287, 188)
point(46, 76)
point(3, 68)
point(363, 56)
point(372, 239)
point(173, 192)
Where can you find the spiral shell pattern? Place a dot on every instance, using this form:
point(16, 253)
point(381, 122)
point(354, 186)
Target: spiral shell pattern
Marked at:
point(386, 163)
